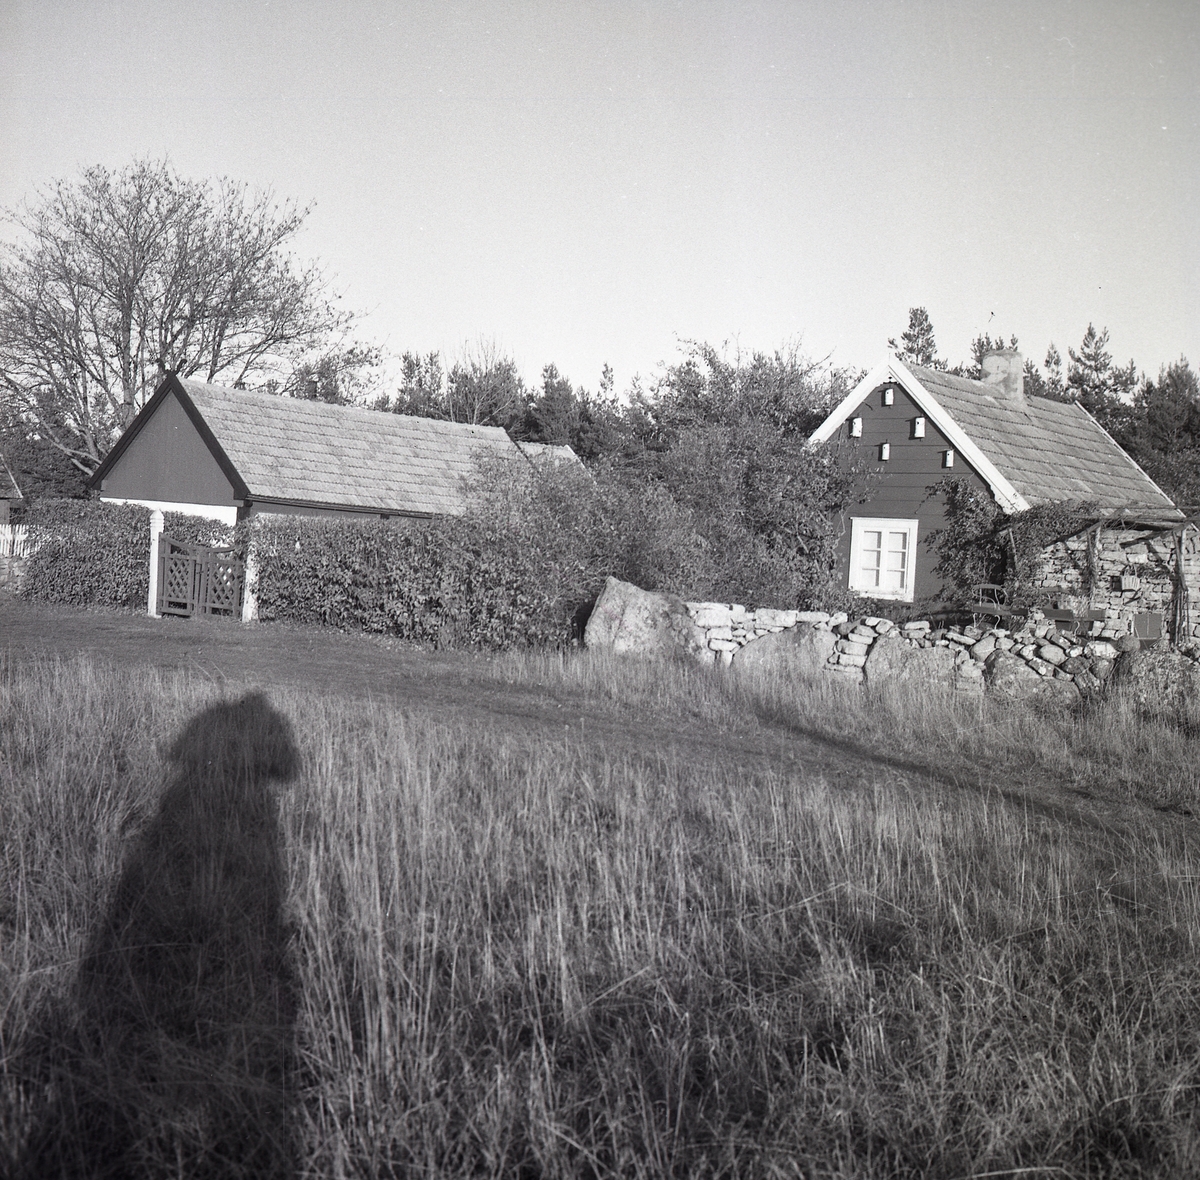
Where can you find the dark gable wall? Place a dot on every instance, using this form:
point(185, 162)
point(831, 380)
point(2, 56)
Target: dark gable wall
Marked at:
point(169, 461)
point(900, 488)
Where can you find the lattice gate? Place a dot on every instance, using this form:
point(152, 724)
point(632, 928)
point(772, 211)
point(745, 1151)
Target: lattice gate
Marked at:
point(197, 580)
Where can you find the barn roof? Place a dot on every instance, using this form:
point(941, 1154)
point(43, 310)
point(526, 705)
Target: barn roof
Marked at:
point(307, 452)
point(1030, 451)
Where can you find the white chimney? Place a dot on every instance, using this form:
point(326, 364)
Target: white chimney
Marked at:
point(1005, 370)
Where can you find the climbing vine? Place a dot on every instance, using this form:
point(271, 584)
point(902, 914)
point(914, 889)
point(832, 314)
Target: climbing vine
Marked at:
point(981, 543)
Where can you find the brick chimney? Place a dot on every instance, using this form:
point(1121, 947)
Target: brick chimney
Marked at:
point(1004, 369)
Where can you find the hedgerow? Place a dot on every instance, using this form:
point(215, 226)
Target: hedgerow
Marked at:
point(88, 553)
point(445, 582)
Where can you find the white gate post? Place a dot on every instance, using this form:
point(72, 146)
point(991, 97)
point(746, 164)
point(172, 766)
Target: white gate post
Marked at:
point(250, 574)
point(156, 528)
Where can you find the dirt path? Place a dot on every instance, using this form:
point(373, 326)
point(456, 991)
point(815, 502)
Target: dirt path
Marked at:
point(449, 685)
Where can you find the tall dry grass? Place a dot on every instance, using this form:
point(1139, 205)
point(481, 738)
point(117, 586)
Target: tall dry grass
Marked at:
point(511, 954)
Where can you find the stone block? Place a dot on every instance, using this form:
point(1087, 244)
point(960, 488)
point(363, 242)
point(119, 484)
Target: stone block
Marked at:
point(771, 618)
point(719, 633)
point(627, 618)
point(722, 644)
point(864, 634)
point(984, 648)
point(1077, 664)
point(851, 661)
point(851, 648)
point(1041, 667)
point(712, 616)
point(811, 616)
point(796, 650)
point(1051, 653)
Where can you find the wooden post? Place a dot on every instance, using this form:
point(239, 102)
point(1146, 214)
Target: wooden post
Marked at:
point(156, 528)
point(250, 574)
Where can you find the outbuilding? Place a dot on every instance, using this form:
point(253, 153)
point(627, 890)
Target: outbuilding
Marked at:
point(229, 454)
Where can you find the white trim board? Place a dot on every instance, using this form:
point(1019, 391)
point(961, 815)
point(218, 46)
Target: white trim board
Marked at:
point(225, 514)
point(893, 370)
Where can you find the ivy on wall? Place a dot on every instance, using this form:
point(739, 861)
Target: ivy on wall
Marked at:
point(980, 543)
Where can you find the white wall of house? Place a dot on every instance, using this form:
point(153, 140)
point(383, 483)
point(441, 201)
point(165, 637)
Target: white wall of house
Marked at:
point(225, 514)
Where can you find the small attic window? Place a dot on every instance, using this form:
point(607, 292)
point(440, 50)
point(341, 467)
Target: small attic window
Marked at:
point(948, 459)
point(885, 451)
point(918, 428)
point(856, 428)
point(889, 396)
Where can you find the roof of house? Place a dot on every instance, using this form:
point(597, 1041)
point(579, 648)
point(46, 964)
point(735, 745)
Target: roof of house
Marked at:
point(1030, 451)
point(309, 452)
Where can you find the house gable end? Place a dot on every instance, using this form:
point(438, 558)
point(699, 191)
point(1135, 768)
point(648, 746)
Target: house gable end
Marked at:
point(894, 372)
point(168, 454)
point(170, 389)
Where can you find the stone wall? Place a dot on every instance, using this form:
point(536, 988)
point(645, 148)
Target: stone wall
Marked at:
point(1027, 657)
point(1124, 572)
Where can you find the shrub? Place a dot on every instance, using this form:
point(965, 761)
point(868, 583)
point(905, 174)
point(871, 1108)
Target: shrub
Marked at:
point(89, 553)
point(445, 582)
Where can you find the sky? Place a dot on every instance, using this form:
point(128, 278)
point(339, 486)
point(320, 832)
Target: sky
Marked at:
point(592, 182)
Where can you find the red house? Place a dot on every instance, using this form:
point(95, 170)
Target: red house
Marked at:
point(915, 426)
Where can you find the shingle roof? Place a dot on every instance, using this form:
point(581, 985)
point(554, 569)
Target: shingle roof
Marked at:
point(1048, 450)
point(288, 449)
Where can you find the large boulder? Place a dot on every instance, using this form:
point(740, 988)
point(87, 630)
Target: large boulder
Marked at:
point(629, 619)
point(802, 651)
point(1162, 681)
point(1011, 677)
point(892, 661)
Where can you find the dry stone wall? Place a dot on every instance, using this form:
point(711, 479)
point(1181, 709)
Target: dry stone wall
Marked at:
point(1033, 657)
point(1124, 572)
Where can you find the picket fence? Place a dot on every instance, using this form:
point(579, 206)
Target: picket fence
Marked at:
point(15, 540)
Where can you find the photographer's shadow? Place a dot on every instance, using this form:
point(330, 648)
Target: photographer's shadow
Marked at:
point(183, 1051)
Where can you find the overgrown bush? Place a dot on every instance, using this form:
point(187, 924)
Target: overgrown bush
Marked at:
point(88, 553)
point(981, 543)
point(717, 519)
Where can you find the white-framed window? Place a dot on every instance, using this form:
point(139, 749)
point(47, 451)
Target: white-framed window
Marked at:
point(882, 557)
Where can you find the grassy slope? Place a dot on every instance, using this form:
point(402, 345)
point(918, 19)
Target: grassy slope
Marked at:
point(453, 945)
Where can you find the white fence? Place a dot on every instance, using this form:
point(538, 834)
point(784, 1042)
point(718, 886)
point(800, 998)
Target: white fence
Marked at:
point(15, 540)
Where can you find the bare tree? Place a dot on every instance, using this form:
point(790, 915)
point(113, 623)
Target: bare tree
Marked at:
point(117, 278)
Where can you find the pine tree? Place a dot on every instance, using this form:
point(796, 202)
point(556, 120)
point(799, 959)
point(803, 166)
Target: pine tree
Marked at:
point(917, 345)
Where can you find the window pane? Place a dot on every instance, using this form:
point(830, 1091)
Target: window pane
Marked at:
point(871, 558)
point(897, 561)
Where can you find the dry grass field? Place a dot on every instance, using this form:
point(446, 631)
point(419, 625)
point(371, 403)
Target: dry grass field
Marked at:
point(704, 926)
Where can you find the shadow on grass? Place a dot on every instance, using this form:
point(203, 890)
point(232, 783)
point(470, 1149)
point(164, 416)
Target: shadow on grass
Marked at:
point(180, 1054)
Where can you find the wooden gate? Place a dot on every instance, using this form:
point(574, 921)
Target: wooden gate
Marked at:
point(197, 580)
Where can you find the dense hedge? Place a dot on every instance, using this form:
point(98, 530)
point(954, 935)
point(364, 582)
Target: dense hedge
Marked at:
point(93, 554)
point(447, 582)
